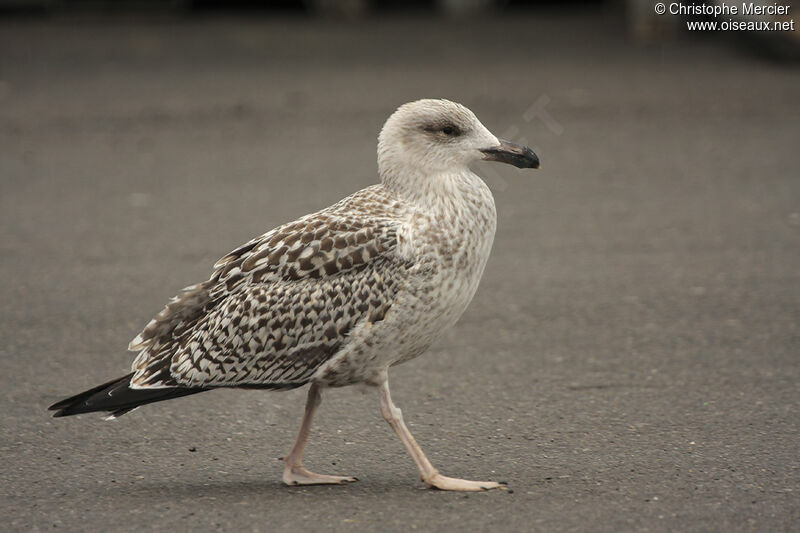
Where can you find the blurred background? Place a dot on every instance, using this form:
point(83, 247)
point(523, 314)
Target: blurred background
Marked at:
point(630, 361)
point(641, 19)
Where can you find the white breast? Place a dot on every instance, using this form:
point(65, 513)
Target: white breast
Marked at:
point(451, 239)
point(448, 240)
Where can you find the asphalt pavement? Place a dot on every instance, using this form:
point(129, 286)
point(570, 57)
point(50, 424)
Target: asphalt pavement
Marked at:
point(629, 363)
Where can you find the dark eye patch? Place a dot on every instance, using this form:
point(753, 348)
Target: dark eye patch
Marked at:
point(448, 129)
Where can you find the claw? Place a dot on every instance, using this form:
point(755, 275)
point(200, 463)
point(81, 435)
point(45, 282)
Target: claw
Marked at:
point(294, 476)
point(438, 481)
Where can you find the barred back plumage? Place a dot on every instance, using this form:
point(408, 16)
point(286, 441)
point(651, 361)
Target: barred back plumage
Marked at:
point(278, 307)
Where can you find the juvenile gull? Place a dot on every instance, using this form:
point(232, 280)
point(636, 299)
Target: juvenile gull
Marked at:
point(338, 296)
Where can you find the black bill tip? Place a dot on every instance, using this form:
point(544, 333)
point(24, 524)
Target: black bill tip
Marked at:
point(513, 154)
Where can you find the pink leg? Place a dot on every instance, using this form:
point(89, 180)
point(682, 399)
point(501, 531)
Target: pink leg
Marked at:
point(427, 472)
point(294, 473)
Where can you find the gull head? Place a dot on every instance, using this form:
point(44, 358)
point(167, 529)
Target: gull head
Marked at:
point(428, 137)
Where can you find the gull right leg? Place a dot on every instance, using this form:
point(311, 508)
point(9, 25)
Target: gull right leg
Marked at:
point(427, 472)
point(294, 473)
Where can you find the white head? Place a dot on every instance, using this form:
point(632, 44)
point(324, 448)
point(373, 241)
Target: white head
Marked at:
point(430, 137)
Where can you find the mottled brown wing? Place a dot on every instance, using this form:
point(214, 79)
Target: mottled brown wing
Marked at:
point(276, 308)
point(319, 246)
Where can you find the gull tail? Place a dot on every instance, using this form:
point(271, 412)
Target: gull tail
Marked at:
point(117, 398)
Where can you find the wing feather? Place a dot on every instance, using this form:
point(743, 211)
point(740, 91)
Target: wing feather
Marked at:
point(276, 308)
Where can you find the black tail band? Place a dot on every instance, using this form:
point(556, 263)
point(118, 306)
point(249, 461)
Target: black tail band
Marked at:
point(116, 397)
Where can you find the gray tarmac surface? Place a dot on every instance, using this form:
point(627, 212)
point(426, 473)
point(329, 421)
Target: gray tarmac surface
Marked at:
point(630, 361)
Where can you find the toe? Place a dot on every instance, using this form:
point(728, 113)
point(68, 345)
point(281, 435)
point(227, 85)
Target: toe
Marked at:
point(441, 482)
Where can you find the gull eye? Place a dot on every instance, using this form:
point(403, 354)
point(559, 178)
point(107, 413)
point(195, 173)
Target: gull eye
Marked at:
point(448, 129)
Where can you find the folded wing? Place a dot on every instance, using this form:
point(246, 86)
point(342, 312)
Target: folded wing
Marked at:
point(278, 307)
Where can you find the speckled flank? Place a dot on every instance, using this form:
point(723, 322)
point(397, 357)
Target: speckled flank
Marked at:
point(338, 296)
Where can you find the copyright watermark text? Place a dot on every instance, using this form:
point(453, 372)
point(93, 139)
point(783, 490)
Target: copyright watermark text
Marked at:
point(747, 16)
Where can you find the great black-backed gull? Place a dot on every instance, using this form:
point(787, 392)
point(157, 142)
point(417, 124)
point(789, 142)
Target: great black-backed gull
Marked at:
point(338, 296)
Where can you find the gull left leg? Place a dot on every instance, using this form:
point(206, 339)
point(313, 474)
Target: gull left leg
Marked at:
point(294, 473)
point(427, 472)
